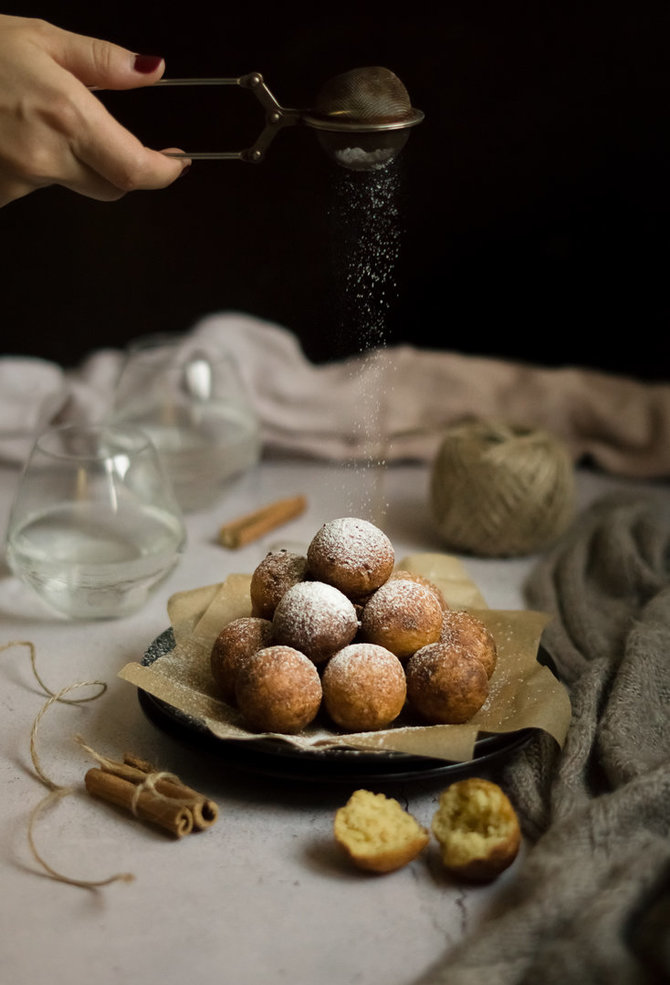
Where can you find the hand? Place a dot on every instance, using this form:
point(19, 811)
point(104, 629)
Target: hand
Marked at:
point(54, 130)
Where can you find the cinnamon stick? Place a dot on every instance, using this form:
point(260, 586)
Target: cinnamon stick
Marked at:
point(170, 814)
point(250, 527)
point(149, 793)
point(205, 811)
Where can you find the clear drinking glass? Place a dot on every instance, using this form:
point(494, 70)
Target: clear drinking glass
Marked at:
point(190, 400)
point(95, 525)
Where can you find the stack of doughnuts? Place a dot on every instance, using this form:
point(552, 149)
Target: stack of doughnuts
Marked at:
point(343, 631)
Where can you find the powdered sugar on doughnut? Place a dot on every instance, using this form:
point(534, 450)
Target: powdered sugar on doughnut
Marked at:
point(278, 690)
point(279, 658)
point(403, 616)
point(316, 619)
point(364, 687)
point(272, 577)
point(464, 632)
point(352, 554)
point(411, 595)
point(374, 659)
point(422, 663)
point(352, 541)
point(445, 686)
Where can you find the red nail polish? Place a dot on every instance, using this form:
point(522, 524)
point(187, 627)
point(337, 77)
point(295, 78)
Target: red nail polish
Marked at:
point(146, 64)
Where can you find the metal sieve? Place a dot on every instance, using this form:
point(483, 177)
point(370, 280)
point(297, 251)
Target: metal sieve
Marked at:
point(361, 118)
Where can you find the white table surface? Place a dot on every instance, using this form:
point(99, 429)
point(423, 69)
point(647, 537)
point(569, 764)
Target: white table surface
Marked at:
point(263, 897)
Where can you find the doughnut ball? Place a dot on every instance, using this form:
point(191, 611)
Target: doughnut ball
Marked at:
point(403, 615)
point(411, 576)
point(377, 833)
point(351, 554)
point(276, 573)
point(316, 619)
point(477, 829)
point(278, 689)
point(463, 631)
point(237, 641)
point(364, 687)
point(445, 686)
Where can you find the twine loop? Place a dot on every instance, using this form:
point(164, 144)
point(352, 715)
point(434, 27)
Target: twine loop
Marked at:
point(56, 791)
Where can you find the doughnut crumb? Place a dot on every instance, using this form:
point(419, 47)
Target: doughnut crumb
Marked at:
point(477, 829)
point(377, 833)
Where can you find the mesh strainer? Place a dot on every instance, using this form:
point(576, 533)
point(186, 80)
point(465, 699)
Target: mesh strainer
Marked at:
point(362, 118)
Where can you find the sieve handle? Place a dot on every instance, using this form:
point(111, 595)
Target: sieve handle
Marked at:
point(276, 117)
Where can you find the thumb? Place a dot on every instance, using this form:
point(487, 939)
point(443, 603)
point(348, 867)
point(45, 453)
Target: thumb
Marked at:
point(101, 64)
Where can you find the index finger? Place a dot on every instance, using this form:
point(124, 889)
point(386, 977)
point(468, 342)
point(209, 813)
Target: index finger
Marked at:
point(96, 63)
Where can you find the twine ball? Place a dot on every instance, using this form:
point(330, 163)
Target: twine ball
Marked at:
point(498, 490)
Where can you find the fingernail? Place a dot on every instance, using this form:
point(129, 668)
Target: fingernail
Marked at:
point(186, 168)
point(146, 64)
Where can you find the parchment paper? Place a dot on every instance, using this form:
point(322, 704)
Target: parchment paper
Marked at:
point(524, 694)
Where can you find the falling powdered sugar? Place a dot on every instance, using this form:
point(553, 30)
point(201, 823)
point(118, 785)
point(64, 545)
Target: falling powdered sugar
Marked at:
point(367, 234)
point(366, 238)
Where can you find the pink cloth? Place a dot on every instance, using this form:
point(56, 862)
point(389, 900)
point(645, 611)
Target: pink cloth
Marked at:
point(341, 410)
point(621, 424)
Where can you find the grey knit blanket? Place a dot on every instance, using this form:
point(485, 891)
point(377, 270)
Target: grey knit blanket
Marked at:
point(592, 899)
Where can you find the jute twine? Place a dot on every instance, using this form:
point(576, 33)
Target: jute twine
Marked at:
point(499, 490)
point(56, 791)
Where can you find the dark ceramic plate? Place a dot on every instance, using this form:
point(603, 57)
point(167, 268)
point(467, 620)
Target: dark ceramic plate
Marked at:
point(272, 757)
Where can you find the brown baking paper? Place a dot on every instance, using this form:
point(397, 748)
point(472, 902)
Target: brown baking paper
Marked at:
point(524, 694)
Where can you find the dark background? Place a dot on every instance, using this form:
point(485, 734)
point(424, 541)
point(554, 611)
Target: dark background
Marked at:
point(534, 196)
